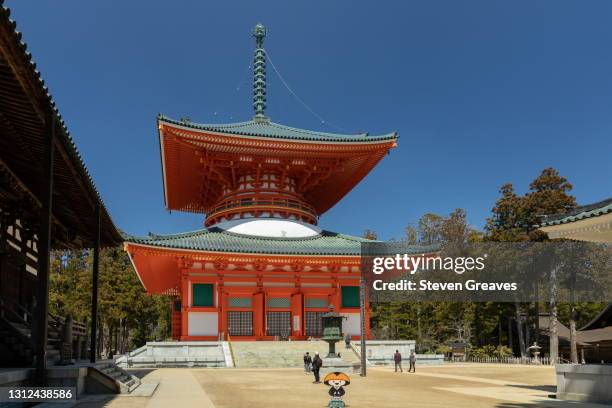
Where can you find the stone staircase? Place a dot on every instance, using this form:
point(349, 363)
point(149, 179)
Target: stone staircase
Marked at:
point(16, 344)
point(177, 354)
point(283, 353)
point(124, 381)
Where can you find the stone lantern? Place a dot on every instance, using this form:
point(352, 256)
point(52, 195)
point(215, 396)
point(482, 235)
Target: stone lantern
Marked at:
point(535, 350)
point(332, 333)
point(332, 330)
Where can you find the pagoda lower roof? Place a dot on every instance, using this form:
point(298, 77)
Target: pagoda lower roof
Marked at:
point(267, 129)
point(217, 240)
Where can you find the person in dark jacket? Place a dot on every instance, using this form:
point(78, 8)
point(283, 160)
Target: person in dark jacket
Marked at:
point(307, 362)
point(397, 358)
point(317, 363)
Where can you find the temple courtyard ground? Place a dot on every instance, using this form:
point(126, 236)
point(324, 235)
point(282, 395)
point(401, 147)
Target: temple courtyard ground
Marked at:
point(453, 385)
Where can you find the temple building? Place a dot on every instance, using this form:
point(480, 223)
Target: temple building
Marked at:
point(592, 222)
point(261, 268)
point(48, 201)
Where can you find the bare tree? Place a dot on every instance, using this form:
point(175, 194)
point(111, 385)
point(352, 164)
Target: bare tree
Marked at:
point(554, 313)
point(519, 327)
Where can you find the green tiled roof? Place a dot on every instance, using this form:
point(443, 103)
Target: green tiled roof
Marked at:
point(264, 128)
point(579, 213)
point(215, 239)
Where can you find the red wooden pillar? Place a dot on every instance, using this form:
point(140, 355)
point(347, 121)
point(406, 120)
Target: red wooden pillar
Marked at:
point(177, 316)
point(184, 307)
point(297, 315)
point(336, 297)
point(258, 315)
point(220, 309)
point(223, 313)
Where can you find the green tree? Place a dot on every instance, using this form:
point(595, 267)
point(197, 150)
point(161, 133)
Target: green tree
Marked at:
point(370, 234)
point(515, 218)
point(127, 315)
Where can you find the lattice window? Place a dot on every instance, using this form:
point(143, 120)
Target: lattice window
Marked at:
point(316, 303)
point(314, 325)
point(240, 323)
point(278, 324)
point(279, 303)
point(240, 302)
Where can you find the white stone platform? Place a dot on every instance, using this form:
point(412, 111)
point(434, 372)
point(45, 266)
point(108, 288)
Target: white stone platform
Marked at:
point(177, 354)
point(272, 354)
point(585, 382)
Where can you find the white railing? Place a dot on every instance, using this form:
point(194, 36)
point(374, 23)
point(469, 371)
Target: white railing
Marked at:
point(124, 358)
point(511, 360)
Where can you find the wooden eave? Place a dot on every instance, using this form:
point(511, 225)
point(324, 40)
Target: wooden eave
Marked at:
point(181, 147)
point(25, 111)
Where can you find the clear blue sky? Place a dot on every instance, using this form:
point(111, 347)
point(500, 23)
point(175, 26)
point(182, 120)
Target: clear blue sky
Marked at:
point(481, 92)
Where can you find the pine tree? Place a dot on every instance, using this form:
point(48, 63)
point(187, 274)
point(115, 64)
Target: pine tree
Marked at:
point(515, 219)
point(127, 315)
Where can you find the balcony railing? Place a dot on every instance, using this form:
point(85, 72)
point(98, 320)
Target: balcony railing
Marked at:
point(245, 205)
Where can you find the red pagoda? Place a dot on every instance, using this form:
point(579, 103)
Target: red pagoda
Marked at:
point(261, 268)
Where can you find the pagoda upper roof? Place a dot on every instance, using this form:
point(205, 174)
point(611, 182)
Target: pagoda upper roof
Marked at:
point(268, 129)
point(199, 156)
point(218, 240)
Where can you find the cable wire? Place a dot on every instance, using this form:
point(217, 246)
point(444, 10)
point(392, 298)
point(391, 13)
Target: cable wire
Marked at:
point(300, 100)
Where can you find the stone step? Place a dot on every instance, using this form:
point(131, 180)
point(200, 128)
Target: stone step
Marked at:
point(122, 378)
point(284, 354)
point(112, 374)
point(101, 366)
point(127, 381)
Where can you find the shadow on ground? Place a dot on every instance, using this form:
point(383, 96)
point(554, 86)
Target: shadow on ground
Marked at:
point(546, 388)
point(140, 372)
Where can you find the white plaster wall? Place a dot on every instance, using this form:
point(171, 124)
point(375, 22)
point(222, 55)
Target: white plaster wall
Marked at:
point(203, 323)
point(269, 227)
point(351, 324)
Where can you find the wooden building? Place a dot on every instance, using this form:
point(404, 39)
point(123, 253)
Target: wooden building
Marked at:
point(47, 201)
point(591, 223)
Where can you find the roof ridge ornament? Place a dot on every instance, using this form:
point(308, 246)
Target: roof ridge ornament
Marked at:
point(259, 74)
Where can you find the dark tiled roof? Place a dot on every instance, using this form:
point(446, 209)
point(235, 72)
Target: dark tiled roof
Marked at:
point(579, 213)
point(603, 334)
point(277, 131)
point(603, 319)
point(27, 104)
point(215, 239)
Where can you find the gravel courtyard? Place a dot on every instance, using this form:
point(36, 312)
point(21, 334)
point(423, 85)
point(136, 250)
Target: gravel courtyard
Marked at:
point(455, 385)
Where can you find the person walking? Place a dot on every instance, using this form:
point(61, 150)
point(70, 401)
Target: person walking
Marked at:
point(317, 363)
point(347, 341)
point(397, 358)
point(307, 362)
point(412, 362)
